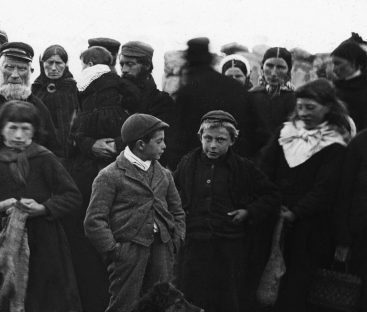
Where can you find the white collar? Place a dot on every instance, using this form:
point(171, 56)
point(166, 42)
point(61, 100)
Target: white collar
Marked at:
point(355, 74)
point(89, 74)
point(135, 160)
point(300, 144)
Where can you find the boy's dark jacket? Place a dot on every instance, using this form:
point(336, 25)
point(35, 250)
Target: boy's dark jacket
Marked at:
point(250, 189)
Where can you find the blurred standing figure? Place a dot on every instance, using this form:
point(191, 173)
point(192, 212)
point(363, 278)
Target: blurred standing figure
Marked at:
point(272, 101)
point(349, 63)
point(105, 102)
point(56, 87)
point(3, 37)
point(237, 67)
point(137, 66)
point(304, 160)
point(111, 45)
point(32, 178)
point(205, 90)
point(15, 75)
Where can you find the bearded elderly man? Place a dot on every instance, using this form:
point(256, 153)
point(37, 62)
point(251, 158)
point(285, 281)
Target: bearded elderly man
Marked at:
point(15, 74)
point(137, 66)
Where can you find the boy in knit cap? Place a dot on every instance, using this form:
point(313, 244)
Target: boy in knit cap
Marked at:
point(222, 195)
point(135, 218)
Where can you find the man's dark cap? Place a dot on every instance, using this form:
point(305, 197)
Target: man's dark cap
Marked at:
point(18, 50)
point(111, 45)
point(220, 116)
point(139, 125)
point(198, 51)
point(137, 49)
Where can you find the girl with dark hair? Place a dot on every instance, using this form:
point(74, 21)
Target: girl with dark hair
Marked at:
point(304, 160)
point(33, 180)
point(56, 87)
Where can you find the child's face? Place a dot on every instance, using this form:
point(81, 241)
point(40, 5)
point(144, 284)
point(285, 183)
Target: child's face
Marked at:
point(155, 148)
point(215, 142)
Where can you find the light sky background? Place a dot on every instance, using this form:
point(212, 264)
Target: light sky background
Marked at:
point(314, 25)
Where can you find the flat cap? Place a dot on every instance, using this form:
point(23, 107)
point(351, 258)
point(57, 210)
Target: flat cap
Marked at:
point(18, 50)
point(3, 37)
point(137, 49)
point(139, 125)
point(219, 115)
point(111, 45)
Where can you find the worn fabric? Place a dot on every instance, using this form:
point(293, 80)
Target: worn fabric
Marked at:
point(353, 93)
point(265, 114)
point(308, 190)
point(61, 98)
point(49, 138)
point(14, 261)
point(51, 284)
point(136, 269)
point(120, 189)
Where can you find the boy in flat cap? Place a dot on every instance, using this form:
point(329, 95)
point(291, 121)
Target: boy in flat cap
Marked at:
point(135, 219)
point(137, 66)
point(15, 75)
point(222, 194)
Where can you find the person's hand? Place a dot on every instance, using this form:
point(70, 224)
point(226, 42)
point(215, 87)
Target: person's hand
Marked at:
point(287, 214)
point(33, 208)
point(6, 204)
point(103, 148)
point(112, 145)
point(341, 253)
point(239, 215)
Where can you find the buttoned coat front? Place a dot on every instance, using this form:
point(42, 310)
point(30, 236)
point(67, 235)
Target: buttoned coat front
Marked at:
point(123, 207)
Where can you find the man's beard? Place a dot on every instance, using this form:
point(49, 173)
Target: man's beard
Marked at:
point(139, 79)
point(15, 91)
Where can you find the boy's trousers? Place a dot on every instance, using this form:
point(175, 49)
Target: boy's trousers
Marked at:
point(136, 269)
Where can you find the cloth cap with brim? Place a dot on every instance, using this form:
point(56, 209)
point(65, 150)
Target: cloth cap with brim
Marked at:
point(278, 52)
point(111, 45)
point(220, 116)
point(137, 49)
point(18, 50)
point(139, 125)
point(351, 52)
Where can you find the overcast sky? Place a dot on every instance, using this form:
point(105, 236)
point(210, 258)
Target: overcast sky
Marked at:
point(314, 25)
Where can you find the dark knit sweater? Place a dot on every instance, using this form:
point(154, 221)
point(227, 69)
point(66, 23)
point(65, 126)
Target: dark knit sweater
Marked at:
point(235, 183)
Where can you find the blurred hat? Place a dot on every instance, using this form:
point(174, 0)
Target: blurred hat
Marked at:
point(352, 52)
point(139, 125)
point(3, 37)
point(111, 45)
point(18, 50)
point(137, 49)
point(219, 115)
point(198, 51)
point(279, 53)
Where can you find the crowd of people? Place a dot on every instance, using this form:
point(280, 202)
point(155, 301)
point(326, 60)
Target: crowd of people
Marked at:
point(123, 186)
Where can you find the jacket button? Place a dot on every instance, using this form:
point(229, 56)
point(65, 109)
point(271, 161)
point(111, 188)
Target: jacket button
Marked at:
point(208, 181)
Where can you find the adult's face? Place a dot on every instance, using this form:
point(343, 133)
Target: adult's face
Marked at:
point(17, 134)
point(311, 112)
point(130, 67)
point(215, 142)
point(275, 71)
point(236, 74)
point(343, 68)
point(54, 67)
point(15, 71)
